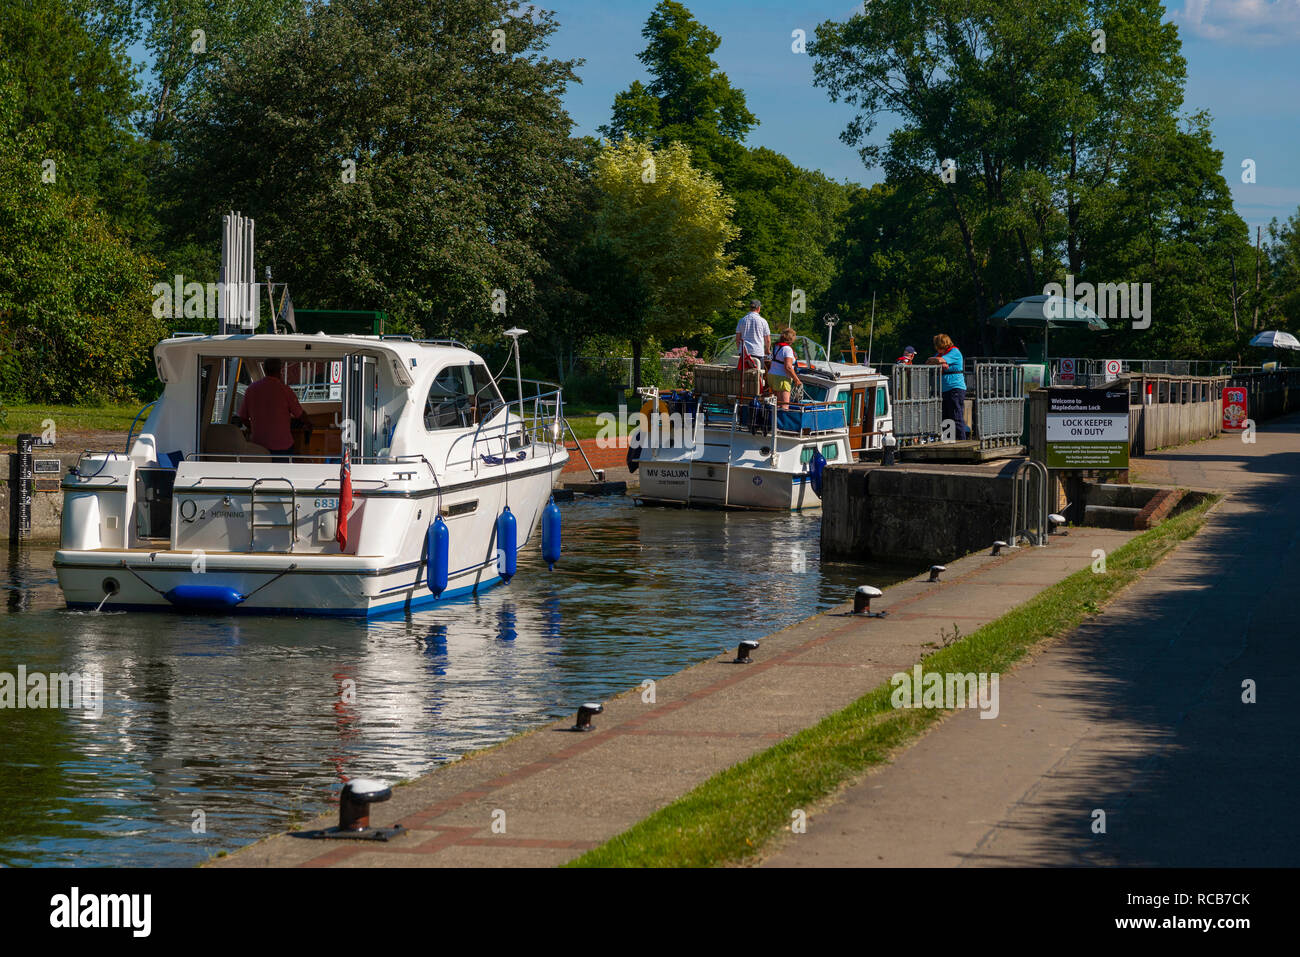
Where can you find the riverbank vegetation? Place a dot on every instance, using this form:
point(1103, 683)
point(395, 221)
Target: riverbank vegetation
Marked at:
point(733, 815)
point(417, 159)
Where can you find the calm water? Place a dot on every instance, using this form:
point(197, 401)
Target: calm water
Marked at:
point(241, 718)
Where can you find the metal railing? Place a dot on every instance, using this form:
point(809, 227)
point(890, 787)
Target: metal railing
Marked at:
point(918, 403)
point(506, 441)
point(1092, 372)
point(1029, 504)
point(130, 433)
point(1269, 392)
point(999, 404)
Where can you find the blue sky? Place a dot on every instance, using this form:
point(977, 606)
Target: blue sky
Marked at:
point(1243, 66)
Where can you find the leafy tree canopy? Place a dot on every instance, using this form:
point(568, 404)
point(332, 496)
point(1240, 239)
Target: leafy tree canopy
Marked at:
point(75, 319)
point(670, 224)
point(80, 88)
point(396, 154)
point(688, 100)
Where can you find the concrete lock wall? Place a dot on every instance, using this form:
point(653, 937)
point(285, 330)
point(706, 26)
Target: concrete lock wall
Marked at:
point(47, 516)
point(47, 507)
point(921, 514)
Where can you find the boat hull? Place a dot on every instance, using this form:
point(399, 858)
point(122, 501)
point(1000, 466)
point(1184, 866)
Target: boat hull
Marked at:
point(304, 583)
point(712, 485)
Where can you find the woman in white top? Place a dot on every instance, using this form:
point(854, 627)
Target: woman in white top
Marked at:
point(781, 375)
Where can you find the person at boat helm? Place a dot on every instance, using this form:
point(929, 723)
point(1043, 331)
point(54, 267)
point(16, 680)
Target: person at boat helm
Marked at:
point(753, 335)
point(781, 374)
point(268, 407)
point(906, 358)
point(948, 357)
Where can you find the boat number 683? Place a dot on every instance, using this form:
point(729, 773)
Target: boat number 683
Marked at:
point(327, 503)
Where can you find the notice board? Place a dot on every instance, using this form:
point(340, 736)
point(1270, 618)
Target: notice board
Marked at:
point(1087, 429)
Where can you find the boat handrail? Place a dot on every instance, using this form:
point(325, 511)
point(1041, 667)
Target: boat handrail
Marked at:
point(529, 429)
point(452, 343)
point(254, 479)
point(408, 458)
point(131, 430)
point(725, 412)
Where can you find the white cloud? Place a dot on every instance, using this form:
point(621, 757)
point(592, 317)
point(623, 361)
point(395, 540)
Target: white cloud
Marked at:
point(1242, 21)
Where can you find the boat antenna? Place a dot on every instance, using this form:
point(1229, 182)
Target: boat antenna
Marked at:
point(871, 338)
point(830, 319)
point(270, 297)
point(514, 334)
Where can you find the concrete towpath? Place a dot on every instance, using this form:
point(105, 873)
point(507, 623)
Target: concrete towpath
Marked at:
point(1139, 714)
point(553, 793)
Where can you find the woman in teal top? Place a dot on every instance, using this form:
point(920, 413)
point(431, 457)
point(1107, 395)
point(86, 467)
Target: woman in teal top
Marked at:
point(949, 358)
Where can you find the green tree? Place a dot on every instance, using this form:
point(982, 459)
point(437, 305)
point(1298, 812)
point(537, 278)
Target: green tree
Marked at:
point(396, 154)
point(1168, 219)
point(75, 319)
point(788, 218)
point(899, 246)
point(1031, 109)
point(585, 281)
point(80, 87)
point(669, 224)
point(1279, 304)
point(688, 100)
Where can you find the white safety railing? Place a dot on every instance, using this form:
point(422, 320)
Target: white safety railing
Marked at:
point(918, 403)
point(508, 438)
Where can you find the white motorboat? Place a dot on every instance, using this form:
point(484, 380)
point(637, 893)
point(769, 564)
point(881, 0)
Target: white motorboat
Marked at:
point(448, 482)
point(722, 444)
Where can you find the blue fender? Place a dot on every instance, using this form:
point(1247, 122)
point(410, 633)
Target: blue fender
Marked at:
point(551, 534)
point(815, 468)
point(507, 539)
point(204, 596)
point(436, 556)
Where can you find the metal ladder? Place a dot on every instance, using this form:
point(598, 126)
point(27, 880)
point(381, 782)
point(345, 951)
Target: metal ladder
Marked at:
point(1029, 503)
point(731, 452)
point(291, 508)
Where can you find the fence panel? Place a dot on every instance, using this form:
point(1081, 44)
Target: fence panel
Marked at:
point(999, 404)
point(918, 403)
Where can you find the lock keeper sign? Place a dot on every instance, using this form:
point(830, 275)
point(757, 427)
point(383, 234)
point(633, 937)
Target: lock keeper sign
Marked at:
point(1087, 428)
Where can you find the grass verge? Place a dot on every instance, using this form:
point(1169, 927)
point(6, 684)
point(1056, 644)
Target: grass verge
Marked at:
point(733, 814)
point(70, 418)
point(585, 426)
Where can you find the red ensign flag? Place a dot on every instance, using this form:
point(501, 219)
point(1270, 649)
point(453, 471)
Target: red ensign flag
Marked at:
point(345, 499)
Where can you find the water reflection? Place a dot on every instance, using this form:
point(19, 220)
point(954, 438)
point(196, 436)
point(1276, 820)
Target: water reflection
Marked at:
point(255, 721)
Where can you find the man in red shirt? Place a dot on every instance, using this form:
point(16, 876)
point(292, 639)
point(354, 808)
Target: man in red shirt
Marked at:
point(268, 407)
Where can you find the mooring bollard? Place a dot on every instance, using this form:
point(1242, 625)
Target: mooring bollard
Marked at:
point(936, 571)
point(889, 442)
point(997, 548)
point(1057, 520)
point(862, 599)
point(743, 650)
point(354, 803)
point(584, 715)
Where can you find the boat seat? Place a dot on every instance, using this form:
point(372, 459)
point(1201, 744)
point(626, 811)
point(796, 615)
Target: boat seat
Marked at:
point(228, 440)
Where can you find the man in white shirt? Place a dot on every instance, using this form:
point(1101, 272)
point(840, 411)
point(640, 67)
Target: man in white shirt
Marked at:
point(753, 335)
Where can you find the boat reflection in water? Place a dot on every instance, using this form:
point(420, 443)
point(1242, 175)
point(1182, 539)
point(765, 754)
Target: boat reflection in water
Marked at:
point(217, 730)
